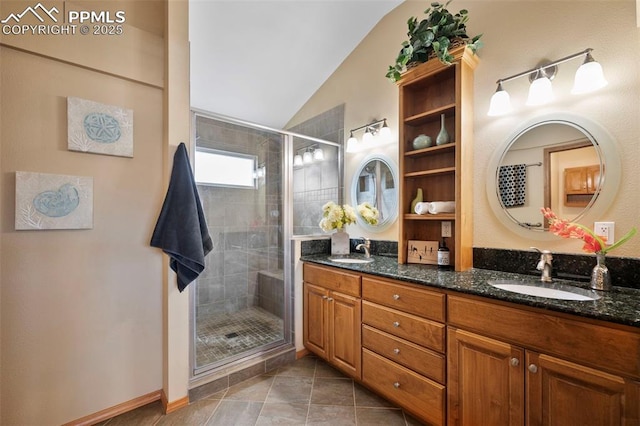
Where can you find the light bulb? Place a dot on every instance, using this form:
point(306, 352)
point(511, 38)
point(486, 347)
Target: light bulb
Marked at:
point(318, 154)
point(589, 77)
point(307, 158)
point(500, 102)
point(540, 91)
point(385, 132)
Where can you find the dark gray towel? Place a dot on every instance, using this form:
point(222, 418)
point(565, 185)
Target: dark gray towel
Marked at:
point(181, 230)
point(512, 185)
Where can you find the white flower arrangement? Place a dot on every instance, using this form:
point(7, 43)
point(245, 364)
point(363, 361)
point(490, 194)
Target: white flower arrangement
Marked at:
point(368, 213)
point(335, 216)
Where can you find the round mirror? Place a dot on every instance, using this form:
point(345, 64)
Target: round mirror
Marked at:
point(376, 182)
point(563, 162)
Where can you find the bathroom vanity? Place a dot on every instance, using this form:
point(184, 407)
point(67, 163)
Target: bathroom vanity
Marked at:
point(451, 349)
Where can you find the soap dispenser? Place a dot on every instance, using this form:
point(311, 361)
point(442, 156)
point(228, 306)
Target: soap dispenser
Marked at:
point(443, 255)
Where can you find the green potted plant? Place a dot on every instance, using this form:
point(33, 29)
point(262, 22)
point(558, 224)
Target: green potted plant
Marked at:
point(433, 37)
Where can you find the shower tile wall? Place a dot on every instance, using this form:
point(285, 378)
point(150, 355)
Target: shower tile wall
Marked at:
point(317, 183)
point(245, 224)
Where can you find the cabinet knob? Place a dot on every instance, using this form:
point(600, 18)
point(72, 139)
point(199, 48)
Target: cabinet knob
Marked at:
point(396, 385)
point(325, 297)
point(514, 362)
point(396, 296)
point(330, 299)
point(396, 351)
point(533, 368)
point(396, 324)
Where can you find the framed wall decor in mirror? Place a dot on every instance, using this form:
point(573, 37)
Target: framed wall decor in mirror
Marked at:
point(560, 161)
point(376, 182)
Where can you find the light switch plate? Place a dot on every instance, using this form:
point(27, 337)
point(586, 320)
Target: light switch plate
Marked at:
point(605, 229)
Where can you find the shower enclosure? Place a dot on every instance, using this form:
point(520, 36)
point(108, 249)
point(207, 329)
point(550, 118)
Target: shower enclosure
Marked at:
point(249, 188)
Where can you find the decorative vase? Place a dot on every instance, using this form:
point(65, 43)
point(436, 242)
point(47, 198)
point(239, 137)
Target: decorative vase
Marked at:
point(422, 141)
point(339, 242)
point(600, 277)
point(416, 200)
point(443, 136)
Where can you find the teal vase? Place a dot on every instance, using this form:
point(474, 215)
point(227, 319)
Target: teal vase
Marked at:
point(443, 136)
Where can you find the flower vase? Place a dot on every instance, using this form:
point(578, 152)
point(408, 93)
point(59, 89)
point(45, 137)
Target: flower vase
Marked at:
point(600, 277)
point(339, 243)
point(443, 136)
point(415, 201)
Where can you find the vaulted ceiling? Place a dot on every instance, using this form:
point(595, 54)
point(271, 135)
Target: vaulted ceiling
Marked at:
point(260, 61)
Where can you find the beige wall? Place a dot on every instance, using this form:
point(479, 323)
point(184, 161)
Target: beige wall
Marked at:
point(517, 36)
point(82, 310)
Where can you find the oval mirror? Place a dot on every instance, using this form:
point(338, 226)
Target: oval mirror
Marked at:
point(563, 162)
point(376, 182)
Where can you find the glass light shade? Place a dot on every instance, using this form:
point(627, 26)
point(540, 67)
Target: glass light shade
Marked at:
point(352, 144)
point(307, 158)
point(318, 154)
point(500, 102)
point(540, 92)
point(261, 171)
point(385, 133)
point(368, 136)
point(297, 160)
point(589, 77)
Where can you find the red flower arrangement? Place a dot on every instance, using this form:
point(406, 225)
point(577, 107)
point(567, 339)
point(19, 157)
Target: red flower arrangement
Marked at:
point(592, 242)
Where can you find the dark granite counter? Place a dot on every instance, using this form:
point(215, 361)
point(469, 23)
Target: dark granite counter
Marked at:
point(622, 305)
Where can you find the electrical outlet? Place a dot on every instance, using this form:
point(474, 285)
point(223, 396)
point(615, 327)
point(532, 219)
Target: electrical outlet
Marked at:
point(605, 229)
point(446, 229)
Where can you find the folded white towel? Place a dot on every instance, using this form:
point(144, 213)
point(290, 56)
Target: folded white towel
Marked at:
point(422, 208)
point(436, 207)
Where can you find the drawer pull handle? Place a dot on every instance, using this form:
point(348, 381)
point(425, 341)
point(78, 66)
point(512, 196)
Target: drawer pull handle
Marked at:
point(396, 324)
point(396, 296)
point(330, 299)
point(533, 368)
point(396, 385)
point(325, 297)
point(515, 362)
point(396, 351)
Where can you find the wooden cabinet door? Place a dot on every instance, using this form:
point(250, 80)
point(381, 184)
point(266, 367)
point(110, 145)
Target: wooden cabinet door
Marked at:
point(315, 320)
point(344, 333)
point(575, 180)
point(485, 381)
point(593, 178)
point(562, 393)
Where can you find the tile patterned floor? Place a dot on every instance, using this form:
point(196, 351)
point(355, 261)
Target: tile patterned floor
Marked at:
point(306, 392)
point(219, 336)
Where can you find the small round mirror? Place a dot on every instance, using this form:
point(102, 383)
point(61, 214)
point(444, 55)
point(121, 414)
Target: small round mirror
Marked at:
point(566, 163)
point(376, 182)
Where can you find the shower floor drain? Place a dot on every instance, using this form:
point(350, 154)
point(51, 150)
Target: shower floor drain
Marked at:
point(231, 335)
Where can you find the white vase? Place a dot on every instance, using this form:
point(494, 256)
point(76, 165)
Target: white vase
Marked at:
point(339, 243)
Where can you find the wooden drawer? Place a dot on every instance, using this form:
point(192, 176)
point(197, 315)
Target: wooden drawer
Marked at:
point(332, 279)
point(418, 301)
point(403, 352)
point(424, 332)
point(618, 351)
point(413, 392)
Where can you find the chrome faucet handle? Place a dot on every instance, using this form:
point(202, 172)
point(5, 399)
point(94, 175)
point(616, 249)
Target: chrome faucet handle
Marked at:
point(544, 264)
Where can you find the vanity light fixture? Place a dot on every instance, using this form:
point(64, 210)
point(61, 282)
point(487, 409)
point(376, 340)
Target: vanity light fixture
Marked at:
point(376, 127)
point(588, 78)
point(308, 155)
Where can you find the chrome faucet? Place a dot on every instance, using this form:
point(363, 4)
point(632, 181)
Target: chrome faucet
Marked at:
point(544, 264)
point(366, 245)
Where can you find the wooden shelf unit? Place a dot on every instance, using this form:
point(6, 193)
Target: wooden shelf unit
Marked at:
point(444, 172)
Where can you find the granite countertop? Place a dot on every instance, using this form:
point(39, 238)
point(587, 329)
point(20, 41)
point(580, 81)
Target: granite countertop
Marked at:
point(621, 305)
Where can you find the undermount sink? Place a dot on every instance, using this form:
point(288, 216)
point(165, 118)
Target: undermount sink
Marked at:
point(351, 259)
point(548, 290)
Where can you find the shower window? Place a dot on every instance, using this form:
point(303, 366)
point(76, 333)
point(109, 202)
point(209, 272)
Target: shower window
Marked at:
point(225, 168)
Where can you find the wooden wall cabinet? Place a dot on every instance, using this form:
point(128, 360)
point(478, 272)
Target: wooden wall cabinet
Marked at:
point(443, 172)
point(580, 183)
point(501, 382)
point(332, 317)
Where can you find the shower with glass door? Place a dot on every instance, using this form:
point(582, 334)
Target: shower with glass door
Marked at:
point(241, 303)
